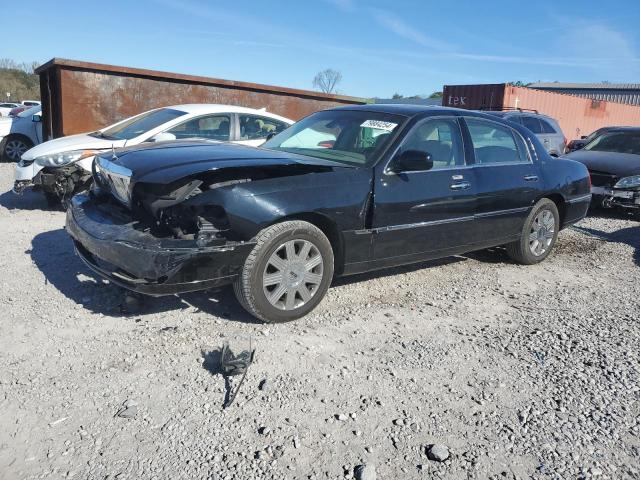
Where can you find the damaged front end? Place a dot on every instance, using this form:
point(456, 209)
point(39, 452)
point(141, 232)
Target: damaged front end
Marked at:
point(146, 258)
point(166, 238)
point(63, 182)
point(624, 194)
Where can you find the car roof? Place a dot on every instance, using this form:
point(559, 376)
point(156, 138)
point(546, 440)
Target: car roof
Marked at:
point(402, 109)
point(204, 108)
point(504, 114)
point(621, 129)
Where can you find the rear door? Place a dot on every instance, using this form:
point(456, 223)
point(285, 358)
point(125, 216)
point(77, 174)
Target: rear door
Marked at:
point(421, 214)
point(253, 130)
point(507, 178)
point(211, 127)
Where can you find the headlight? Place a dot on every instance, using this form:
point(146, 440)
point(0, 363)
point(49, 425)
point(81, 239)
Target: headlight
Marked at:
point(63, 158)
point(628, 182)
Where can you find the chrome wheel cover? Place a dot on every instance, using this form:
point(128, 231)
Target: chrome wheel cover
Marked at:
point(293, 274)
point(14, 149)
point(542, 232)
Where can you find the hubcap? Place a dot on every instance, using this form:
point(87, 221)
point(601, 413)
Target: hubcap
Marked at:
point(14, 149)
point(293, 274)
point(542, 232)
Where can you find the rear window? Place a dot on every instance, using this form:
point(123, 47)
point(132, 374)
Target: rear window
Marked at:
point(532, 124)
point(547, 127)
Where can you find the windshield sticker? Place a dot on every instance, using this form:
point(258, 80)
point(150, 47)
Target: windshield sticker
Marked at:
point(380, 125)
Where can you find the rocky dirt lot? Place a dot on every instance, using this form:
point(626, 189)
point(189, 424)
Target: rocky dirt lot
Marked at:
point(511, 371)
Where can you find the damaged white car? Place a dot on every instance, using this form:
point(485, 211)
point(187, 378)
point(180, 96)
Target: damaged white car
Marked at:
point(62, 167)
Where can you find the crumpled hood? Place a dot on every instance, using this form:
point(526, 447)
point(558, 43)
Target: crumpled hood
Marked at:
point(80, 141)
point(618, 164)
point(165, 162)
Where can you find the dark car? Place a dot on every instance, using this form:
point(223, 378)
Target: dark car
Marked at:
point(613, 160)
point(574, 145)
point(343, 191)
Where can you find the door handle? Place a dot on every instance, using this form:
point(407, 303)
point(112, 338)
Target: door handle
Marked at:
point(531, 178)
point(459, 186)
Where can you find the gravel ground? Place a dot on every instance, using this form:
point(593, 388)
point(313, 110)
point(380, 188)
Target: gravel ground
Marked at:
point(510, 371)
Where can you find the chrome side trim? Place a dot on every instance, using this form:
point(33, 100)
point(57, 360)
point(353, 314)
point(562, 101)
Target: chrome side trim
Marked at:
point(583, 198)
point(406, 226)
point(496, 213)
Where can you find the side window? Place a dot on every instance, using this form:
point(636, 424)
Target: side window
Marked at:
point(495, 143)
point(547, 127)
point(515, 119)
point(212, 127)
point(532, 124)
point(253, 127)
point(439, 138)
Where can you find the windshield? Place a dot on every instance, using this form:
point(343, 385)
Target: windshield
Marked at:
point(136, 126)
point(618, 142)
point(353, 137)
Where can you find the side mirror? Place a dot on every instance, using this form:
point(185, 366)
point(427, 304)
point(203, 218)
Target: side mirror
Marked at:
point(412, 161)
point(36, 118)
point(162, 137)
point(270, 136)
point(583, 137)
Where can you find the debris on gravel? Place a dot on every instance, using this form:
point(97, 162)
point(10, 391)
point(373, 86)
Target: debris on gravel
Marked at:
point(521, 372)
point(365, 472)
point(437, 452)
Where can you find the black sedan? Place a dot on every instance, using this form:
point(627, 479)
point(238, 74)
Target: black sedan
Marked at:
point(574, 145)
point(613, 160)
point(341, 192)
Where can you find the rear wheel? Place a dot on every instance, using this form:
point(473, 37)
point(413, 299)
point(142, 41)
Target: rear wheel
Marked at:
point(539, 234)
point(287, 273)
point(14, 147)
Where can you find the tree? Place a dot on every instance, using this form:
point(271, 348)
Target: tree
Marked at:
point(396, 96)
point(519, 83)
point(327, 80)
point(436, 95)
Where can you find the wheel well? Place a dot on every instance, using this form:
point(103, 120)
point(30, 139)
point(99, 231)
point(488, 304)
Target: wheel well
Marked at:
point(560, 204)
point(19, 135)
point(330, 229)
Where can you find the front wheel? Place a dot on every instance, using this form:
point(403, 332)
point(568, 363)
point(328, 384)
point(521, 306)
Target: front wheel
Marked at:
point(287, 273)
point(539, 234)
point(14, 147)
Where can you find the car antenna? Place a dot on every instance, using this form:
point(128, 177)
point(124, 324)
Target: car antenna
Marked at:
point(113, 153)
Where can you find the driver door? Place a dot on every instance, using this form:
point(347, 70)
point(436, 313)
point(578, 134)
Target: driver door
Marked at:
point(423, 214)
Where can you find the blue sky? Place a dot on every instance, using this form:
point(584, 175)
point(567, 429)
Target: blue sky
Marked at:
point(381, 47)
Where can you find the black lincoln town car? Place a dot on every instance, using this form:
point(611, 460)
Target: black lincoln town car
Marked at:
point(341, 192)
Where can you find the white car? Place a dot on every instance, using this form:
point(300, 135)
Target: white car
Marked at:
point(62, 167)
point(18, 134)
point(6, 107)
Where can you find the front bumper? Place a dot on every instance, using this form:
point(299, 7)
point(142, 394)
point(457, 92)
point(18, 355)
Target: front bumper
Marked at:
point(138, 261)
point(618, 197)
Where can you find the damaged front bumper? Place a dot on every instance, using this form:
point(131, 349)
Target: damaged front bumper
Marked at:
point(618, 197)
point(139, 261)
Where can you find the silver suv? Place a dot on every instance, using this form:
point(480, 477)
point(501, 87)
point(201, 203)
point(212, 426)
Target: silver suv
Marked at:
point(544, 127)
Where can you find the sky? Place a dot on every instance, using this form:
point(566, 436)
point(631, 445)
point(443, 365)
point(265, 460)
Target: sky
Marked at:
point(409, 47)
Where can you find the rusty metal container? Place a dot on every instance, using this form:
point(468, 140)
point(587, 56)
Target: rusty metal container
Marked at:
point(577, 116)
point(474, 97)
point(80, 96)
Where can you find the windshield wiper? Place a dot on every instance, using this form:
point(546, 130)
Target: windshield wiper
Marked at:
point(100, 134)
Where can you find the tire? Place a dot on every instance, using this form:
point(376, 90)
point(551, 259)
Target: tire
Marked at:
point(538, 222)
point(14, 146)
point(279, 240)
